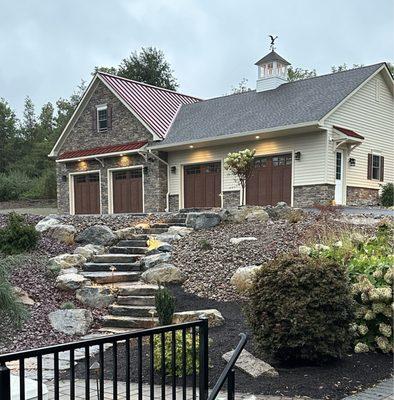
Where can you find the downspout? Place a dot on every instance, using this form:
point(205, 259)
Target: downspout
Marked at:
point(168, 178)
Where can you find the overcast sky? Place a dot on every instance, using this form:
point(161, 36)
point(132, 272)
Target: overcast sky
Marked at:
point(48, 46)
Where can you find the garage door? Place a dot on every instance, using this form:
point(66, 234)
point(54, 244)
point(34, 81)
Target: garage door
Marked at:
point(87, 194)
point(202, 185)
point(270, 181)
point(127, 191)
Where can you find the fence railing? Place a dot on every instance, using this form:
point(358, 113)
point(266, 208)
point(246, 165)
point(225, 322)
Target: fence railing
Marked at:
point(145, 363)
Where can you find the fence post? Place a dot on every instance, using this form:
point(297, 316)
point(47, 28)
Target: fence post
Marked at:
point(5, 383)
point(231, 385)
point(203, 335)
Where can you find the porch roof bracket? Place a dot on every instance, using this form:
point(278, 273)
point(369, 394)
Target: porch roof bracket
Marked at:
point(99, 161)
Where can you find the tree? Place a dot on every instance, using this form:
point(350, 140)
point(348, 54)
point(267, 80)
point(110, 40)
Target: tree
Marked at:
point(8, 134)
point(241, 88)
point(147, 66)
point(241, 164)
point(344, 67)
point(296, 74)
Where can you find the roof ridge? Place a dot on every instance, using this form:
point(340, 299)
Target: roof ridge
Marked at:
point(147, 84)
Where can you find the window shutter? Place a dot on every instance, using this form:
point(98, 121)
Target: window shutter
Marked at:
point(381, 169)
point(369, 173)
point(109, 116)
point(94, 119)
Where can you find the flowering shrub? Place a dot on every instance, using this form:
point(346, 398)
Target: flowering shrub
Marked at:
point(300, 308)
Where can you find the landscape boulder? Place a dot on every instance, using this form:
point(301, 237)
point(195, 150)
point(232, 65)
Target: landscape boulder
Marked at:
point(71, 322)
point(253, 366)
point(242, 279)
point(154, 259)
point(164, 247)
point(96, 234)
point(125, 233)
point(280, 211)
point(245, 213)
point(242, 239)
point(63, 261)
point(46, 223)
point(89, 250)
point(23, 296)
point(62, 233)
point(163, 273)
point(180, 230)
point(166, 237)
point(202, 220)
point(95, 296)
point(257, 215)
point(70, 281)
point(215, 318)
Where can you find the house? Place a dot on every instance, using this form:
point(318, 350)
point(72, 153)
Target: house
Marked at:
point(130, 147)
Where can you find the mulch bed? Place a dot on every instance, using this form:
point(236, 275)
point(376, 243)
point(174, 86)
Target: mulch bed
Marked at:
point(330, 381)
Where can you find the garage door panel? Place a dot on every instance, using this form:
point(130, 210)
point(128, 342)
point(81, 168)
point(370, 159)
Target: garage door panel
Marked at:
point(127, 191)
point(87, 194)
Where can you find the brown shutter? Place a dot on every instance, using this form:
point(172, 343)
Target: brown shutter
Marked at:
point(369, 173)
point(94, 119)
point(381, 168)
point(109, 116)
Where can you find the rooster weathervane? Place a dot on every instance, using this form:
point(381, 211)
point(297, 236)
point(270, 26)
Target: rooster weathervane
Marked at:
point(272, 45)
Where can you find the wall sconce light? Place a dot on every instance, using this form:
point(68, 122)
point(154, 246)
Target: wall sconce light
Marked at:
point(64, 178)
point(352, 162)
point(297, 155)
point(145, 170)
point(173, 169)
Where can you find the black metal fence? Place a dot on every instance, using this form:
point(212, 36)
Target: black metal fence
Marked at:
point(149, 359)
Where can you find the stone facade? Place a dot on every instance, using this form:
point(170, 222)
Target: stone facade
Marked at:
point(309, 195)
point(357, 196)
point(174, 202)
point(231, 199)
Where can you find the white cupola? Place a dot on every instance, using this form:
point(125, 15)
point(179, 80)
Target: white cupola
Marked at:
point(272, 71)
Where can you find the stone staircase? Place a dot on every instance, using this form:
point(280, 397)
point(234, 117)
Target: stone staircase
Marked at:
point(121, 268)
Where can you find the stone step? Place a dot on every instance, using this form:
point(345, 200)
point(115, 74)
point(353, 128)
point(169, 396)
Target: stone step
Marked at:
point(116, 258)
point(136, 300)
point(112, 277)
point(116, 321)
point(154, 231)
point(94, 267)
point(131, 311)
point(127, 250)
point(133, 243)
point(160, 225)
point(177, 223)
point(115, 331)
point(136, 289)
point(138, 236)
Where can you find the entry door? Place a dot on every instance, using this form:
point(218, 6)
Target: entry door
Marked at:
point(202, 185)
point(87, 194)
point(127, 191)
point(339, 177)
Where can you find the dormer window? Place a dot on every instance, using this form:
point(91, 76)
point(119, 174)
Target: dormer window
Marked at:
point(102, 118)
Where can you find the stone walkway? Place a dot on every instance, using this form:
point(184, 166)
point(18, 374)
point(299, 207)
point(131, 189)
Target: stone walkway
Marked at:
point(382, 391)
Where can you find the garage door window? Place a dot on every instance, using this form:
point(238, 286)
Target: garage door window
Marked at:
point(193, 170)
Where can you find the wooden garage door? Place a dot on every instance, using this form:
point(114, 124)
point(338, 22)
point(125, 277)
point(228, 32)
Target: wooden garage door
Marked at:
point(87, 194)
point(202, 185)
point(127, 191)
point(270, 181)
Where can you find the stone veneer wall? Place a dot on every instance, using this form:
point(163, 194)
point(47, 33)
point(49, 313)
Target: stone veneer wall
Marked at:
point(357, 196)
point(231, 199)
point(155, 180)
point(174, 202)
point(309, 195)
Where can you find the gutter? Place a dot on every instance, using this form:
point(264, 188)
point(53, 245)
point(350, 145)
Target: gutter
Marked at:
point(95, 156)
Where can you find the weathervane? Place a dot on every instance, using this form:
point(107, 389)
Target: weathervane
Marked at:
point(272, 45)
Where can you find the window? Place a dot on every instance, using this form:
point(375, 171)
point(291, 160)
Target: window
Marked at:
point(102, 118)
point(375, 167)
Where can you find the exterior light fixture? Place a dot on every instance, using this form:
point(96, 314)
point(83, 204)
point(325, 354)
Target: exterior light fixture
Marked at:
point(191, 146)
point(297, 155)
point(257, 137)
point(121, 155)
point(79, 160)
point(352, 162)
point(173, 169)
point(64, 178)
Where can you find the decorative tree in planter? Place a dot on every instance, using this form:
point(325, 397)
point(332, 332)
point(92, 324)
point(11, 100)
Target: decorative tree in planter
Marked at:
point(241, 164)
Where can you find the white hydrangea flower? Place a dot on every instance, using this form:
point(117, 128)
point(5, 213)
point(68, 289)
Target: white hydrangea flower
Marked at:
point(364, 298)
point(338, 244)
point(388, 311)
point(384, 293)
point(321, 247)
point(385, 329)
point(369, 315)
point(378, 308)
point(361, 348)
point(389, 275)
point(363, 329)
point(304, 250)
point(383, 344)
point(377, 274)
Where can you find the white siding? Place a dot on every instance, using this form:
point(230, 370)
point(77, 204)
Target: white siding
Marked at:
point(309, 170)
point(373, 119)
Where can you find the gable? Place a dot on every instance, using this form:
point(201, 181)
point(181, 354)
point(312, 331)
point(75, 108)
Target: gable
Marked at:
point(125, 127)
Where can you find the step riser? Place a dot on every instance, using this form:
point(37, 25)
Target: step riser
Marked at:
point(163, 226)
point(107, 267)
point(136, 301)
point(154, 231)
point(128, 250)
point(113, 259)
point(132, 243)
point(136, 292)
point(130, 312)
point(137, 324)
point(114, 279)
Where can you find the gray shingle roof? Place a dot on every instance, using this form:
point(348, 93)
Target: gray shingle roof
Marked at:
point(272, 56)
point(291, 103)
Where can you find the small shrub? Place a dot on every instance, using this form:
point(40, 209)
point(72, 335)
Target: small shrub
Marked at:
point(387, 195)
point(43, 187)
point(68, 305)
point(205, 245)
point(300, 308)
point(165, 305)
point(178, 353)
point(13, 184)
point(17, 236)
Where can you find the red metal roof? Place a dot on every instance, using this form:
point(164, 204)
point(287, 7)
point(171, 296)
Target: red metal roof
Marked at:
point(156, 106)
point(117, 148)
point(349, 132)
